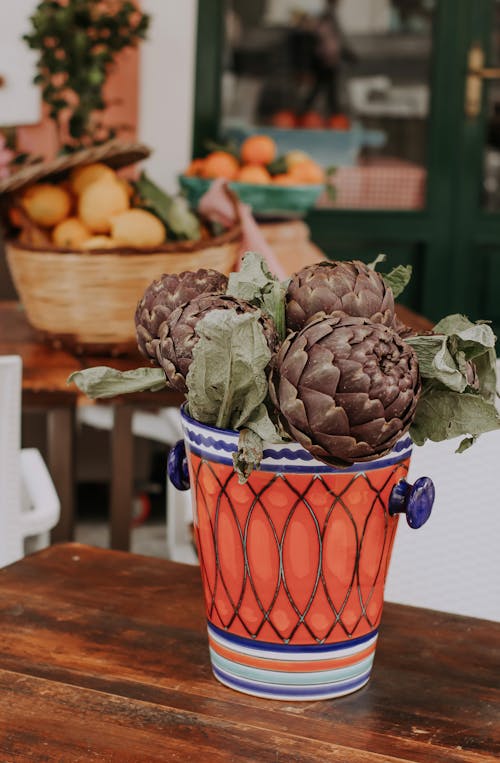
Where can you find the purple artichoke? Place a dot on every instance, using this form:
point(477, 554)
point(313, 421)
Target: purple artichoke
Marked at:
point(351, 287)
point(164, 295)
point(178, 335)
point(346, 388)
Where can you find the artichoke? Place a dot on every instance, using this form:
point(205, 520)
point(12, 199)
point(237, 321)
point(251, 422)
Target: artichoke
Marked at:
point(164, 295)
point(346, 389)
point(326, 287)
point(178, 335)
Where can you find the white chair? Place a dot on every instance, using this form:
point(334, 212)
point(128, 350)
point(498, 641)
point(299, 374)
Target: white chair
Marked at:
point(163, 426)
point(29, 506)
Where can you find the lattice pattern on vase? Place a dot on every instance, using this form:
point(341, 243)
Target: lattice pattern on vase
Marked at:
point(294, 558)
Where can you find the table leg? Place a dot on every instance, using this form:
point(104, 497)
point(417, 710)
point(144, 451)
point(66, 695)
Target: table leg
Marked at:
point(122, 477)
point(61, 464)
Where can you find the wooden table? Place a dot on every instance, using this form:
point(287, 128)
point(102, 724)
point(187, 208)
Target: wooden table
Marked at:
point(45, 373)
point(104, 657)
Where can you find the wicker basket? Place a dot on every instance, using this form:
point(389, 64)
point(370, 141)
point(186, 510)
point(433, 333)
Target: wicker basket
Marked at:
point(85, 301)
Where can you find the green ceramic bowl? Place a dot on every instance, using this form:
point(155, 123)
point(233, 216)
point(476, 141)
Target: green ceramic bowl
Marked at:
point(265, 200)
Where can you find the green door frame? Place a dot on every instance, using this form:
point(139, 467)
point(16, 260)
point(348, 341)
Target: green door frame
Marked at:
point(429, 229)
point(473, 227)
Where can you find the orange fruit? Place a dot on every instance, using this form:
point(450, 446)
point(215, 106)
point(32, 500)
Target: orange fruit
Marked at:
point(70, 234)
point(258, 149)
point(46, 204)
point(284, 119)
point(15, 217)
point(296, 157)
point(100, 242)
point(99, 201)
point(220, 164)
point(138, 228)
point(339, 122)
point(308, 172)
point(81, 177)
point(253, 173)
point(312, 120)
point(195, 168)
point(284, 179)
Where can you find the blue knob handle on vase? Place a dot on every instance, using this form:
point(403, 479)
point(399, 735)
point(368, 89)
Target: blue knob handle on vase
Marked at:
point(177, 467)
point(413, 500)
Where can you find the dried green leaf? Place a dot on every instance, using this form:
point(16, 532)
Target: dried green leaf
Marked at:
point(446, 354)
point(249, 454)
point(436, 362)
point(255, 283)
point(103, 381)
point(465, 444)
point(379, 258)
point(398, 279)
point(442, 414)
point(227, 379)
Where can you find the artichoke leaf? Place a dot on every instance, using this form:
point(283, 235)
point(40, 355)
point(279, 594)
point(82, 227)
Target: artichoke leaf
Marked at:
point(249, 454)
point(445, 355)
point(379, 258)
point(466, 443)
point(398, 279)
point(227, 381)
point(258, 429)
point(255, 283)
point(102, 381)
point(442, 414)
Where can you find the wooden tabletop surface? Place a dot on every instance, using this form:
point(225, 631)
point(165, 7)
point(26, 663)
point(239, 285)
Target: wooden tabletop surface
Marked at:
point(46, 369)
point(104, 657)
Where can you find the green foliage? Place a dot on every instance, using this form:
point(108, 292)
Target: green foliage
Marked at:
point(77, 44)
point(255, 284)
point(173, 211)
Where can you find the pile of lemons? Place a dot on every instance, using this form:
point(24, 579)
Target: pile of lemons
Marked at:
point(92, 210)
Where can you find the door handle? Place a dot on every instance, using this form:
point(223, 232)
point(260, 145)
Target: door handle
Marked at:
point(476, 72)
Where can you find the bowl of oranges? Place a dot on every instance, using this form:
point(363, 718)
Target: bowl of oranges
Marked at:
point(83, 241)
point(273, 185)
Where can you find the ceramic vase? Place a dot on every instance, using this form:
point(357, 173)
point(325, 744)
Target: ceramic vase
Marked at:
point(294, 561)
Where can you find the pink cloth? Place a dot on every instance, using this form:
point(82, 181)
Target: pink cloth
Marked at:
point(217, 204)
point(6, 156)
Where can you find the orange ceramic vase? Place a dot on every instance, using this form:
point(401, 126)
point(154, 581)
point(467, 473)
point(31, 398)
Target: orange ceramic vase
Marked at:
point(294, 561)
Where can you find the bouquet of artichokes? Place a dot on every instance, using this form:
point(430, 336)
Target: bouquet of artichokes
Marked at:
point(321, 359)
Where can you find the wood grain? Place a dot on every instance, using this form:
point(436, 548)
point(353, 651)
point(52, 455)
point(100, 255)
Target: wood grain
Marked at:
point(104, 656)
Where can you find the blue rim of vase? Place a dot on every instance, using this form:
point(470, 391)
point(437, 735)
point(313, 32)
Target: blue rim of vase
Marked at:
point(218, 445)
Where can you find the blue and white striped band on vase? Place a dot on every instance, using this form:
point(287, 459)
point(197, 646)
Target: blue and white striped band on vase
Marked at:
point(219, 445)
point(288, 671)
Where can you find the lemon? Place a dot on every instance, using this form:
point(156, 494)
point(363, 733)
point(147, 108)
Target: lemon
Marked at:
point(99, 201)
point(81, 177)
point(100, 242)
point(70, 233)
point(46, 204)
point(136, 227)
point(128, 187)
